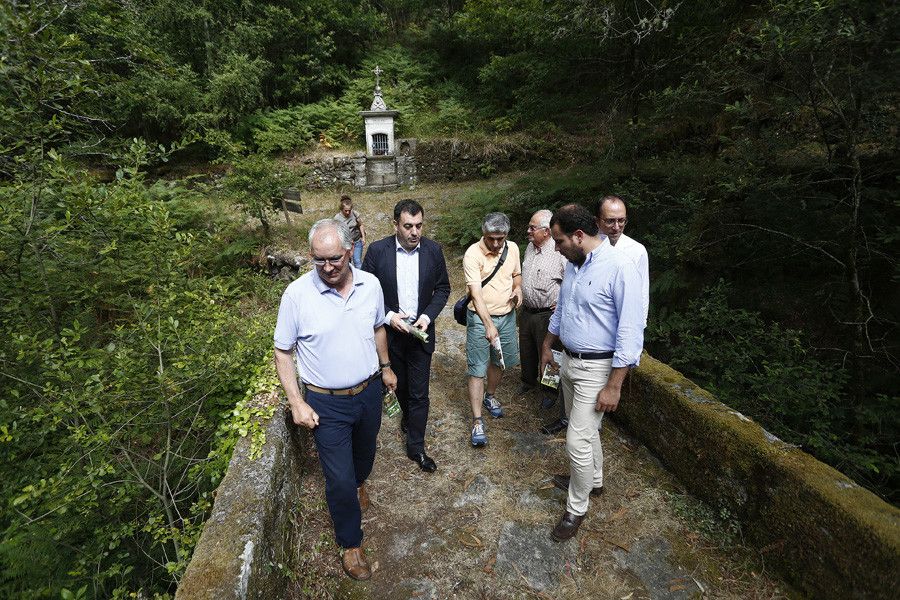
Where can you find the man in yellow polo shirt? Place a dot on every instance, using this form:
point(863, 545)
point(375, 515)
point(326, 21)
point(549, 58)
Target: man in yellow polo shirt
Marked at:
point(491, 318)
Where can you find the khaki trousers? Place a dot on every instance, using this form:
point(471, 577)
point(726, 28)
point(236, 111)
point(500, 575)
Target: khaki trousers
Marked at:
point(581, 381)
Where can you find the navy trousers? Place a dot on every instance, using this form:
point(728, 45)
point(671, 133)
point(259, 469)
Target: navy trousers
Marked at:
point(345, 438)
point(411, 364)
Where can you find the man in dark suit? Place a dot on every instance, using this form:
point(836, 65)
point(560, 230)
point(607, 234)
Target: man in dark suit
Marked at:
point(413, 275)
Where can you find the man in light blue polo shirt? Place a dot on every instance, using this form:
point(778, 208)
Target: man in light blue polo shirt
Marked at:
point(599, 318)
point(330, 319)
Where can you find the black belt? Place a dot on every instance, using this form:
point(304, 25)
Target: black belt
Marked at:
point(536, 311)
point(589, 355)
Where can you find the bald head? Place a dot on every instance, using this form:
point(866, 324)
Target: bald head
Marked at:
point(329, 244)
point(612, 217)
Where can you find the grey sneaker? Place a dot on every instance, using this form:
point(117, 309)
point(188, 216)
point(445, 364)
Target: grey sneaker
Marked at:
point(492, 406)
point(478, 436)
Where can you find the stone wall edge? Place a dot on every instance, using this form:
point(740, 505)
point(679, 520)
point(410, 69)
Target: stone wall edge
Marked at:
point(827, 535)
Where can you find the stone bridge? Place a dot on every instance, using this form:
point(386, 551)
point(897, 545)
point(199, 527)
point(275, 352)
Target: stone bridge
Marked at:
point(700, 502)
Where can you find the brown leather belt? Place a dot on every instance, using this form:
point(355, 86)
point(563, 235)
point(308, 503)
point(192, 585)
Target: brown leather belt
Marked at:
point(351, 391)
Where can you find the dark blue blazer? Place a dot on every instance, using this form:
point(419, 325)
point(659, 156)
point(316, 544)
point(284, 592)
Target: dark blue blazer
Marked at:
point(434, 282)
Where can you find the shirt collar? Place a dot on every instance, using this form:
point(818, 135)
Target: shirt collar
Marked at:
point(404, 250)
point(484, 249)
point(548, 245)
point(596, 251)
point(322, 287)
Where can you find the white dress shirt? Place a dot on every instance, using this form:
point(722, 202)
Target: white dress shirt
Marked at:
point(638, 255)
point(407, 283)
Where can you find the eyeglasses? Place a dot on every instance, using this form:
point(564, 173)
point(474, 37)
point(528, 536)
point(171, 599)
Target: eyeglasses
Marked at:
point(613, 221)
point(533, 228)
point(331, 260)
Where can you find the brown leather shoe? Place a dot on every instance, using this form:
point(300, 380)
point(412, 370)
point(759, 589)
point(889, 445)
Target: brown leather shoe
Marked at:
point(567, 527)
point(562, 482)
point(355, 564)
point(363, 497)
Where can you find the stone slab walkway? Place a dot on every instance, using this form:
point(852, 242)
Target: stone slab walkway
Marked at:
point(480, 526)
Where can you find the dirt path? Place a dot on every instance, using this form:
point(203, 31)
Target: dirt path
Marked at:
point(480, 526)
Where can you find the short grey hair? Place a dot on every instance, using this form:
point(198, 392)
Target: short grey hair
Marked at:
point(495, 222)
point(341, 228)
point(544, 217)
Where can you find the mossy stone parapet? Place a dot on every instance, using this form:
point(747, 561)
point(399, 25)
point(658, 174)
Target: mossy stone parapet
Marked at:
point(250, 530)
point(826, 534)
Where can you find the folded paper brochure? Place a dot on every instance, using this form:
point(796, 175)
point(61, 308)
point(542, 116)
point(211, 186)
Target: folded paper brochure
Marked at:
point(550, 377)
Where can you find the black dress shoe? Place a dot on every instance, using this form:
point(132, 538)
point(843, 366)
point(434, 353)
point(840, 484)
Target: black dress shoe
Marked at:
point(555, 427)
point(423, 460)
point(562, 482)
point(567, 527)
point(548, 402)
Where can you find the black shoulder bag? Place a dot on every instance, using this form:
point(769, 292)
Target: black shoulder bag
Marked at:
point(461, 306)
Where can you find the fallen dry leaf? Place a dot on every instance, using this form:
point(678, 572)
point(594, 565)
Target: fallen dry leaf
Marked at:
point(623, 546)
point(619, 514)
point(489, 567)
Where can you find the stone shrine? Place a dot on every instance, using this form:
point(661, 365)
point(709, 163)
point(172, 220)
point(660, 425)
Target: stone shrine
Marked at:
point(380, 167)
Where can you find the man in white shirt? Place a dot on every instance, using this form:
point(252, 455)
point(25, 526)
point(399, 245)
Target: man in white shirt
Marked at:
point(612, 218)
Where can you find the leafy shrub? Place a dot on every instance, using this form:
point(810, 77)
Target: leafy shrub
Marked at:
point(767, 372)
point(121, 369)
point(299, 127)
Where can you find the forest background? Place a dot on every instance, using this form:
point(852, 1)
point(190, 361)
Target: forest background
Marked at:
point(756, 144)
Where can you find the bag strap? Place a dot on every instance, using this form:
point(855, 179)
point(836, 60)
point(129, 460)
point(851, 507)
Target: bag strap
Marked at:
point(500, 262)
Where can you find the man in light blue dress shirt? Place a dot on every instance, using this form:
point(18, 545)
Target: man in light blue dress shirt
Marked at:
point(599, 319)
point(331, 320)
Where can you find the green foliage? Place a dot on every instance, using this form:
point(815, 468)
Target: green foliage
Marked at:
point(425, 108)
point(463, 227)
point(163, 69)
point(302, 126)
point(121, 369)
point(235, 87)
point(719, 527)
point(768, 372)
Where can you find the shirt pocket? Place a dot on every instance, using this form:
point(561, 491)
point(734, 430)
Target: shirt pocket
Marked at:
point(365, 323)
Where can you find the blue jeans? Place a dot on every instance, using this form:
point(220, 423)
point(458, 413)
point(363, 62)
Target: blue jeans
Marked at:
point(345, 438)
point(357, 254)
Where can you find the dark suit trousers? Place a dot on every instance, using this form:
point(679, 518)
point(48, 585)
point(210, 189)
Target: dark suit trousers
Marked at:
point(532, 329)
point(411, 364)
